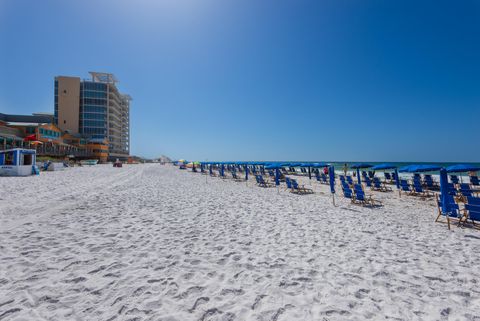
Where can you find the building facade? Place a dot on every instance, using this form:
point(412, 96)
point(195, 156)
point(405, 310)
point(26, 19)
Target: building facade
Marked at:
point(95, 109)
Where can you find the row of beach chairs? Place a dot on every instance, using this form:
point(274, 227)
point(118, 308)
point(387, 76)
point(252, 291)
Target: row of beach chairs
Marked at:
point(462, 210)
point(357, 195)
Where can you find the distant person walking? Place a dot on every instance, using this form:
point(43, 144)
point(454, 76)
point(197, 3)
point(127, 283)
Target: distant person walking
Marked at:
point(345, 168)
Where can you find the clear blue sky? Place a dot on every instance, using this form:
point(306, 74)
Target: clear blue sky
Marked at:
point(270, 79)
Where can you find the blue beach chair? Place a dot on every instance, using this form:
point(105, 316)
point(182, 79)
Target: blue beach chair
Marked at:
point(261, 182)
point(405, 187)
point(388, 177)
point(349, 180)
point(347, 192)
point(299, 189)
point(378, 185)
point(430, 183)
point(474, 181)
point(454, 209)
point(454, 179)
point(419, 191)
point(363, 199)
point(367, 181)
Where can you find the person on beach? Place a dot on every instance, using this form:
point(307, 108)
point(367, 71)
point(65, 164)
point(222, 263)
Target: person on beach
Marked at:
point(325, 170)
point(345, 168)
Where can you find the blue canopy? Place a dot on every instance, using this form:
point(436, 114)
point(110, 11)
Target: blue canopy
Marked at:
point(295, 164)
point(331, 175)
point(319, 165)
point(459, 168)
point(361, 165)
point(383, 166)
point(419, 168)
point(305, 165)
point(274, 166)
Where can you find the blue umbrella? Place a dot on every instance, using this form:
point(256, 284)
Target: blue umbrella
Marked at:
point(459, 168)
point(397, 179)
point(331, 175)
point(444, 191)
point(276, 167)
point(383, 167)
point(420, 168)
point(358, 166)
point(388, 166)
point(318, 165)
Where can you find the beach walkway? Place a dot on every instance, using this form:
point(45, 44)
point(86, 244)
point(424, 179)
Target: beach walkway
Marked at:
point(151, 242)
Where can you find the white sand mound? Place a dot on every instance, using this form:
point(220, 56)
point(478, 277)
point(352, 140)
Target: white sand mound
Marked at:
point(150, 242)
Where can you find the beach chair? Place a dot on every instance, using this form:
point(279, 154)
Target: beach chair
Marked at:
point(474, 181)
point(367, 181)
point(288, 182)
point(236, 178)
point(324, 179)
point(454, 209)
point(454, 179)
point(430, 183)
point(364, 199)
point(299, 189)
point(347, 192)
point(473, 200)
point(349, 180)
point(388, 177)
point(394, 177)
point(342, 178)
point(261, 182)
point(405, 187)
point(451, 189)
point(472, 213)
point(419, 191)
point(378, 185)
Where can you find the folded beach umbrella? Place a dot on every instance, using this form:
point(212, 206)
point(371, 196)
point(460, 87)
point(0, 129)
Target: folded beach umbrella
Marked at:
point(331, 176)
point(357, 167)
point(461, 168)
point(444, 191)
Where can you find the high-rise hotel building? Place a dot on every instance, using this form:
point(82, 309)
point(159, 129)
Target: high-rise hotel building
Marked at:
point(95, 109)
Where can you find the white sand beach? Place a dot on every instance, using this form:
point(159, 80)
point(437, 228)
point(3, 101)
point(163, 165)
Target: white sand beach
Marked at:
point(151, 242)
